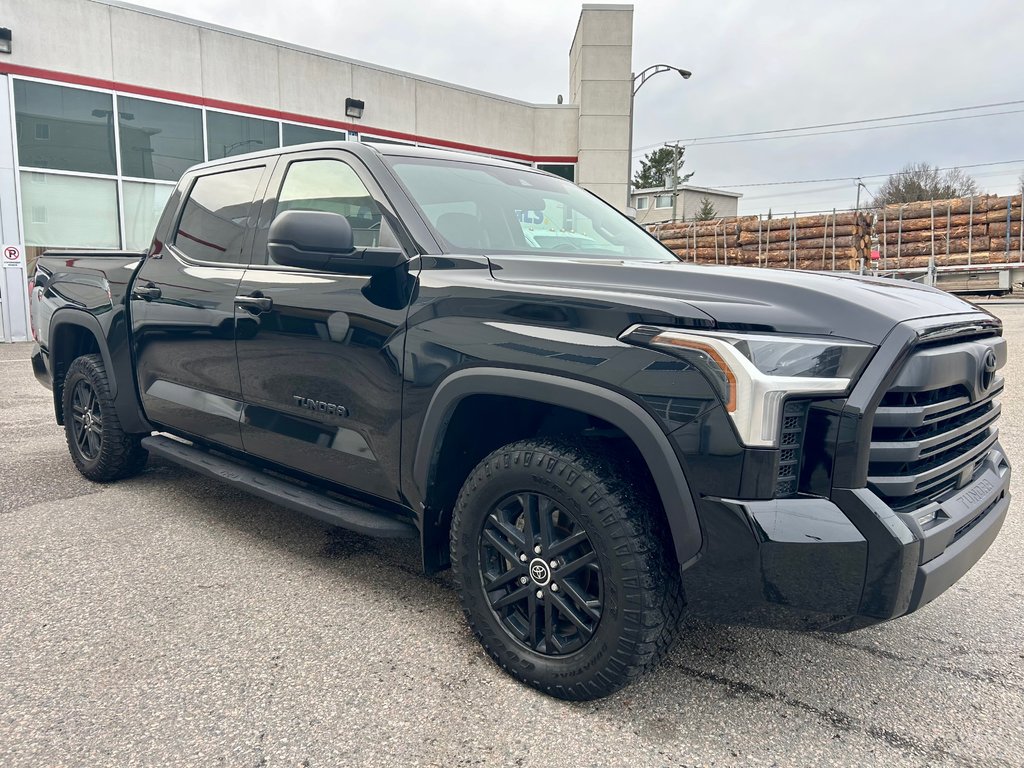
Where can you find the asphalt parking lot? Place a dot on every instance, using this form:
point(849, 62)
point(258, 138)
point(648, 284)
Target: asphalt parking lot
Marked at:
point(168, 620)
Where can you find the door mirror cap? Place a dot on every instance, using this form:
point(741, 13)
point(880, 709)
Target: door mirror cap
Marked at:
point(323, 241)
point(630, 212)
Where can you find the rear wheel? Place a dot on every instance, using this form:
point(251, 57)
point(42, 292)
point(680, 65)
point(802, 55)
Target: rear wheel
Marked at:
point(100, 448)
point(564, 571)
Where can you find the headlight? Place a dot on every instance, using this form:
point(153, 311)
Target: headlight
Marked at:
point(756, 372)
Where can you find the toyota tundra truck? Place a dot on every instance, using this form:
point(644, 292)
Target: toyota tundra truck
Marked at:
point(493, 362)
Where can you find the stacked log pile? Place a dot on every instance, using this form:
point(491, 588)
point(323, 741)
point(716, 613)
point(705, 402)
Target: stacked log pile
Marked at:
point(827, 241)
point(703, 242)
point(964, 231)
point(832, 241)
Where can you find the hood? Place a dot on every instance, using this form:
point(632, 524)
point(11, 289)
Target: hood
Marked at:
point(740, 298)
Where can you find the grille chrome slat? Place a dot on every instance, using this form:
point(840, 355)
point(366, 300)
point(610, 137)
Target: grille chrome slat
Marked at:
point(916, 482)
point(923, 415)
point(914, 450)
point(932, 431)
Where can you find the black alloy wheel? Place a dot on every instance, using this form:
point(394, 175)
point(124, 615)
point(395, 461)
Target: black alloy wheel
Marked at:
point(564, 565)
point(87, 420)
point(541, 574)
point(101, 450)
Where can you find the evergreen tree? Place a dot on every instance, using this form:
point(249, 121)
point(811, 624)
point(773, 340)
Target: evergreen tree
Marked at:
point(707, 211)
point(656, 169)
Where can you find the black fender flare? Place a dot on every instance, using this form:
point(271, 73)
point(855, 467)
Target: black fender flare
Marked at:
point(119, 378)
point(609, 405)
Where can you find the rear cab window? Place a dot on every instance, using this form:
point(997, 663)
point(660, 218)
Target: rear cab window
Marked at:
point(217, 216)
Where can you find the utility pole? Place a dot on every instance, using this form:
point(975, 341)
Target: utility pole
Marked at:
point(675, 180)
point(856, 216)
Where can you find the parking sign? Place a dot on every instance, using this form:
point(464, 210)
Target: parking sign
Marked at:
point(13, 256)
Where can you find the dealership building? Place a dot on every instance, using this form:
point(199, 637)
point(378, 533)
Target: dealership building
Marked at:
point(103, 105)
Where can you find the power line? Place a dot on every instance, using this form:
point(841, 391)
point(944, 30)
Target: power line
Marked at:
point(859, 176)
point(705, 143)
point(864, 120)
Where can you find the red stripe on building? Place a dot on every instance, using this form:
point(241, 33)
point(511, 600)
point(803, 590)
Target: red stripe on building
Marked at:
point(275, 114)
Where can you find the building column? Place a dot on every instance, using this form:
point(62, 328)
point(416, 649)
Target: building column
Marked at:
point(14, 321)
point(600, 84)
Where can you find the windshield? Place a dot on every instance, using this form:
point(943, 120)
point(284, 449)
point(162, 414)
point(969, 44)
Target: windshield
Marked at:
point(477, 208)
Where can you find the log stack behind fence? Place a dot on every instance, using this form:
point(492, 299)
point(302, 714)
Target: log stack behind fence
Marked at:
point(981, 230)
point(960, 232)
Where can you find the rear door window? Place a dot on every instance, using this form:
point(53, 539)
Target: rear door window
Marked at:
point(216, 216)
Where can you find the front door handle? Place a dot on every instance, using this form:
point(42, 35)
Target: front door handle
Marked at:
point(256, 301)
point(147, 292)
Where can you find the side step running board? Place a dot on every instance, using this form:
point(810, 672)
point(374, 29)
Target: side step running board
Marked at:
point(317, 505)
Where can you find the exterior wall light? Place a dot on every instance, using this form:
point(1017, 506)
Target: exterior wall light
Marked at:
point(5, 40)
point(354, 108)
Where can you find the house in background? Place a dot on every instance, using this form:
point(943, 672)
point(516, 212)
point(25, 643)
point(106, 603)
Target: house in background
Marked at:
point(655, 205)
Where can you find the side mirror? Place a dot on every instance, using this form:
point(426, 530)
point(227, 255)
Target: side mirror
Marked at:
point(323, 241)
point(630, 212)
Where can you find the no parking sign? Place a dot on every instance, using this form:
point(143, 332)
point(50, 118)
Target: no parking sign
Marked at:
point(13, 256)
point(14, 322)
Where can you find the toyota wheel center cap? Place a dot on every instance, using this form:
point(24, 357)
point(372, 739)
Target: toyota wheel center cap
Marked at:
point(540, 572)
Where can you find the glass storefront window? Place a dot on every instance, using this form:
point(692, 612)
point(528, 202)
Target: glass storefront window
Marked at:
point(230, 135)
point(143, 204)
point(304, 134)
point(69, 211)
point(158, 141)
point(566, 171)
point(68, 129)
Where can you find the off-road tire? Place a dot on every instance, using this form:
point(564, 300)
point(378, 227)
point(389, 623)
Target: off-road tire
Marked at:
point(643, 598)
point(110, 453)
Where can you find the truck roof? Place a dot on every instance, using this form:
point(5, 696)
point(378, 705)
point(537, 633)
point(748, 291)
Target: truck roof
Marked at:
point(362, 149)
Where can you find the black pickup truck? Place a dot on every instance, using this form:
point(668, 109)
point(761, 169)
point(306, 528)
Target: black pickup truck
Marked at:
point(491, 361)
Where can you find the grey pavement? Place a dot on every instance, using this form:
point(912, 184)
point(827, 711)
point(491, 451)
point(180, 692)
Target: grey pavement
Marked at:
point(167, 620)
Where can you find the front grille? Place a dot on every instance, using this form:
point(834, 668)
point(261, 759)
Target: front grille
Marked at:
point(928, 441)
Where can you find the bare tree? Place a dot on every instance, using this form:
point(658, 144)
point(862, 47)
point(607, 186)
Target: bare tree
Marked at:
point(921, 181)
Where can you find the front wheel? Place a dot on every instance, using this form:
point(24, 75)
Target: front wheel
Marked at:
point(564, 568)
point(101, 450)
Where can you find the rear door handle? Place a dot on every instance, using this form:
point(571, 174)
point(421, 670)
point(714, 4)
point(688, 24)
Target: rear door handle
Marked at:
point(255, 301)
point(148, 292)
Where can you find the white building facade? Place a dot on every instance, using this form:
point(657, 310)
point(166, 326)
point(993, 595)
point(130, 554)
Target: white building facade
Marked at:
point(96, 127)
point(654, 206)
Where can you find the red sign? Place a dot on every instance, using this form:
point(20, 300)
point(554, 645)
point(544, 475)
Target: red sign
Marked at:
point(12, 253)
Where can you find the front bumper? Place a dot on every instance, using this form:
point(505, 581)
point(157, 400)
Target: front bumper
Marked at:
point(842, 563)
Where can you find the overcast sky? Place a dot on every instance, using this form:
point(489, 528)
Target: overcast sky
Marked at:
point(757, 66)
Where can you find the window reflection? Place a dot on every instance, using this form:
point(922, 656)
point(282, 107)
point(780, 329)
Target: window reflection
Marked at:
point(158, 141)
point(231, 135)
point(212, 226)
point(68, 129)
point(305, 134)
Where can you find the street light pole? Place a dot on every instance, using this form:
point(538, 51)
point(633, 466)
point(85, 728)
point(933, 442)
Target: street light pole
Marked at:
point(637, 82)
point(675, 180)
